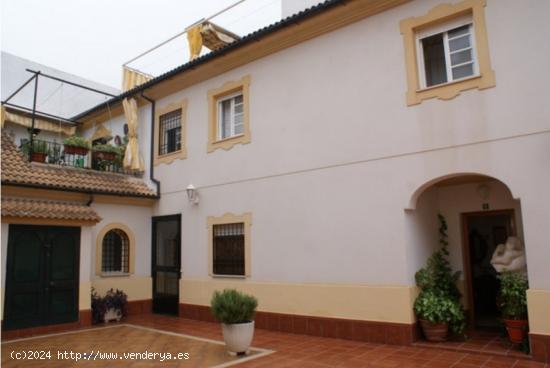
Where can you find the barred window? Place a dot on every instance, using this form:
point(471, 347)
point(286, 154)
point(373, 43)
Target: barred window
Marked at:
point(115, 252)
point(170, 132)
point(228, 249)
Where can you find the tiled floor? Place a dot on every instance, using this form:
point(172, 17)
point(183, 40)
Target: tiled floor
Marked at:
point(308, 351)
point(484, 342)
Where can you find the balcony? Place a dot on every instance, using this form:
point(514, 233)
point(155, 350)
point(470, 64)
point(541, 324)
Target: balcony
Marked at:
point(100, 157)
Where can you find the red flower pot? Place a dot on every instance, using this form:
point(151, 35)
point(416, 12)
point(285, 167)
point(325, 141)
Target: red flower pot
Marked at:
point(517, 329)
point(39, 157)
point(100, 155)
point(73, 150)
point(434, 331)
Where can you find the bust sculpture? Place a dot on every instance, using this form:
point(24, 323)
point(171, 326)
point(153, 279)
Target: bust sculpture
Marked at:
point(510, 256)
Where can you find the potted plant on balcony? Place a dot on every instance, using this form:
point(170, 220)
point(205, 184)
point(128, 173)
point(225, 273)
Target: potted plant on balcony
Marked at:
point(105, 152)
point(39, 150)
point(235, 311)
point(438, 304)
point(513, 304)
point(110, 307)
point(76, 145)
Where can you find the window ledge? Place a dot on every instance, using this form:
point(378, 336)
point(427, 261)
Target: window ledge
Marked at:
point(168, 158)
point(229, 138)
point(448, 83)
point(115, 274)
point(228, 276)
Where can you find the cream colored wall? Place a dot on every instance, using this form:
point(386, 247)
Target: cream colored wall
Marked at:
point(359, 302)
point(138, 285)
point(538, 302)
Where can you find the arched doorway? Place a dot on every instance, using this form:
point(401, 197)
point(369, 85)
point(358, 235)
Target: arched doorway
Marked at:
point(481, 213)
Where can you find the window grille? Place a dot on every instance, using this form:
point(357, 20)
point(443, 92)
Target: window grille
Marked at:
point(229, 249)
point(170, 132)
point(115, 252)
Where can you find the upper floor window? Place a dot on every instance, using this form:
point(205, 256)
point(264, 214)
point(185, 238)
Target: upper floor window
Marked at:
point(447, 51)
point(170, 132)
point(115, 252)
point(230, 116)
point(446, 56)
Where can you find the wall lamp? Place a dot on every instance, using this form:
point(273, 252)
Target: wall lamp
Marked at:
point(192, 194)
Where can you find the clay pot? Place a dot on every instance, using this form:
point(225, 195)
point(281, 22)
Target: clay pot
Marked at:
point(39, 157)
point(517, 329)
point(72, 150)
point(435, 331)
point(107, 156)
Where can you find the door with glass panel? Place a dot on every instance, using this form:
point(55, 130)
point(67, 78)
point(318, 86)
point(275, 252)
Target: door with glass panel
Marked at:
point(166, 263)
point(42, 276)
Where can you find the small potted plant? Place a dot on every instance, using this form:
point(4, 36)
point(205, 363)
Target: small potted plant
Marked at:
point(76, 145)
point(110, 307)
point(105, 152)
point(438, 304)
point(39, 150)
point(513, 304)
point(235, 311)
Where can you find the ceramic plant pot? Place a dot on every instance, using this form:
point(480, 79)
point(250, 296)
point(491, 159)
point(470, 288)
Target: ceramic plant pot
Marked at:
point(238, 337)
point(517, 329)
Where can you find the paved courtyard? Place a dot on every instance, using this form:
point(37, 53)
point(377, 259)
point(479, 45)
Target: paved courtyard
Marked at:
point(289, 350)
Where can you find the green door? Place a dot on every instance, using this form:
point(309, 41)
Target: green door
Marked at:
point(42, 276)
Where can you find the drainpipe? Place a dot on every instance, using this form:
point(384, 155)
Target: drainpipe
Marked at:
point(151, 152)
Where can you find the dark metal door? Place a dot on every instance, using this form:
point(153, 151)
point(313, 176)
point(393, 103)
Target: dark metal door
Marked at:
point(166, 261)
point(42, 275)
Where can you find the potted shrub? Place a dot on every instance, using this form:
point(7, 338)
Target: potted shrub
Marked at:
point(105, 152)
point(438, 304)
point(236, 312)
point(110, 307)
point(513, 304)
point(39, 150)
point(76, 145)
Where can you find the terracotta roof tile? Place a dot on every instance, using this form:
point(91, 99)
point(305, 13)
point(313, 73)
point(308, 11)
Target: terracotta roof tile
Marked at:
point(16, 170)
point(41, 209)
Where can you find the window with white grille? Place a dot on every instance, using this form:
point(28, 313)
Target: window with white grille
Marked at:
point(230, 116)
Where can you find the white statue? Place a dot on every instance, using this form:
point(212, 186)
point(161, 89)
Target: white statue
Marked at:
point(510, 256)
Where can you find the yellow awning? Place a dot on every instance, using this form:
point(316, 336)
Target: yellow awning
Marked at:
point(132, 159)
point(132, 78)
point(26, 121)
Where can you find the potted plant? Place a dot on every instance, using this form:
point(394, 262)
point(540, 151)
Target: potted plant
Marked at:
point(106, 152)
point(76, 145)
point(235, 311)
point(110, 307)
point(39, 150)
point(513, 304)
point(438, 304)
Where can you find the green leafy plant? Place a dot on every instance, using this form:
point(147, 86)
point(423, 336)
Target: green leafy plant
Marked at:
point(439, 298)
point(231, 306)
point(76, 141)
point(513, 295)
point(38, 146)
point(108, 148)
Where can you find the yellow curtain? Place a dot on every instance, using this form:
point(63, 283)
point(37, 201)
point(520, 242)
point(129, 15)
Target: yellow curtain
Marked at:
point(26, 121)
point(195, 41)
point(132, 159)
point(133, 78)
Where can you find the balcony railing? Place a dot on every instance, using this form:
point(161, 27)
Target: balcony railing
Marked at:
point(56, 153)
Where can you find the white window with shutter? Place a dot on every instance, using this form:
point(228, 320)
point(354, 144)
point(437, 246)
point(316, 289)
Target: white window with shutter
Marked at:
point(230, 116)
point(446, 53)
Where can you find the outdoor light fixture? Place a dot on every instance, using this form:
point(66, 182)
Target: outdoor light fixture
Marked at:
point(192, 194)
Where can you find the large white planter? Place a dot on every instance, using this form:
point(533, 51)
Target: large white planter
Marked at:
point(238, 337)
point(112, 314)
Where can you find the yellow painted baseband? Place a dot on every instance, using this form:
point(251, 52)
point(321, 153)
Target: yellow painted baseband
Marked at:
point(343, 301)
point(538, 305)
point(137, 288)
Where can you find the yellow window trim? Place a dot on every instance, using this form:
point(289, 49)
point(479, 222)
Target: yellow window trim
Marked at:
point(177, 155)
point(99, 249)
point(213, 96)
point(229, 218)
point(440, 14)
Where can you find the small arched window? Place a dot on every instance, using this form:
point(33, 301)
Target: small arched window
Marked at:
point(115, 252)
